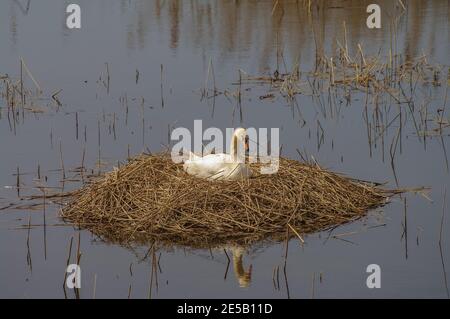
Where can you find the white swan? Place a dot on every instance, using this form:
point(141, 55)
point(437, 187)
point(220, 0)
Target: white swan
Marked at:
point(221, 166)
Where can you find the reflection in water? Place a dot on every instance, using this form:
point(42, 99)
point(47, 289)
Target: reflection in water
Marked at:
point(23, 7)
point(138, 29)
point(242, 273)
point(243, 276)
point(262, 28)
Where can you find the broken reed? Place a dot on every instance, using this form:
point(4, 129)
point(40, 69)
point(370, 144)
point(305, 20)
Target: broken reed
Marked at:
point(19, 98)
point(366, 74)
point(387, 86)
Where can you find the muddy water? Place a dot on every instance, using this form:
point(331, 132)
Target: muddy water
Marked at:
point(181, 38)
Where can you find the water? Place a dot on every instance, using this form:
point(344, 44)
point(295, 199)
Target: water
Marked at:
point(183, 37)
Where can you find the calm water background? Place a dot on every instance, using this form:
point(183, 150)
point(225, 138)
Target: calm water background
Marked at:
point(184, 36)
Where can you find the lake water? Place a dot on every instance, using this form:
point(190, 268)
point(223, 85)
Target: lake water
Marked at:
point(171, 44)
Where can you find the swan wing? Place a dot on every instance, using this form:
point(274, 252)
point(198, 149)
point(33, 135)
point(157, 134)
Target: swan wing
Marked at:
point(216, 167)
point(208, 166)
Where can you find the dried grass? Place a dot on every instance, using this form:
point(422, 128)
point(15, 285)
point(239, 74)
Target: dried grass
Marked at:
point(153, 199)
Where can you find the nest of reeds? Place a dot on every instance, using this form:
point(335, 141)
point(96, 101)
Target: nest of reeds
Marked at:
point(152, 199)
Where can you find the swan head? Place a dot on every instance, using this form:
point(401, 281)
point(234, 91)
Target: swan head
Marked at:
point(242, 138)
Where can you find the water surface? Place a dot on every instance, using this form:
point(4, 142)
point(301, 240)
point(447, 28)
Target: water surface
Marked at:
point(181, 38)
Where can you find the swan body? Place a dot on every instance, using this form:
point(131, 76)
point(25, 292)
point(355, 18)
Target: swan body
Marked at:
point(220, 166)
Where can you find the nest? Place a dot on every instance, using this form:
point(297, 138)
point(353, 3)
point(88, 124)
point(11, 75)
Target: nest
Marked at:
point(152, 199)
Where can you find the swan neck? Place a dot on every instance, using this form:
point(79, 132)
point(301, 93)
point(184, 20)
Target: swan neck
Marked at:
point(234, 147)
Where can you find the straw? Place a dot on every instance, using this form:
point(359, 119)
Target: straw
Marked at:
point(153, 199)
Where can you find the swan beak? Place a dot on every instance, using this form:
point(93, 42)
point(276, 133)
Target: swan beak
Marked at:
point(247, 145)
